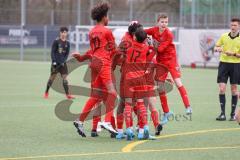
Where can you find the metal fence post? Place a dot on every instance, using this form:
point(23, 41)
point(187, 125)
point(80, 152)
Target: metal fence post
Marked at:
point(229, 10)
point(45, 42)
point(181, 14)
point(91, 6)
point(78, 12)
point(23, 22)
point(193, 14)
point(131, 10)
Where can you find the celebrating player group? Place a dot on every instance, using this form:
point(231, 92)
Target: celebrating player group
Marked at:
point(143, 63)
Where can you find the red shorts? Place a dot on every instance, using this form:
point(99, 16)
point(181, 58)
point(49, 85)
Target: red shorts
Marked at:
point(150, 85)
point(137, 88)
point(150, 89)
point(100, 79)
point(172, 67)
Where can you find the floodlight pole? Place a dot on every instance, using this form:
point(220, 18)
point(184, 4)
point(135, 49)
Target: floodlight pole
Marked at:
point(131, 10)
point(45, 42)
point(229, 11)
point(193, 13)
point(23, 23)
point(91, 6)
point(78, 12)
point(225, 10)
point(238, 10)
point(181, 13)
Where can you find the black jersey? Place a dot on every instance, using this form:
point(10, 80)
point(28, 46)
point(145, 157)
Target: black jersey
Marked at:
point(60, 51)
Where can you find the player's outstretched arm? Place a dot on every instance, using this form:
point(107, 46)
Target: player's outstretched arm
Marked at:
point(86, 56)
point(149, 31)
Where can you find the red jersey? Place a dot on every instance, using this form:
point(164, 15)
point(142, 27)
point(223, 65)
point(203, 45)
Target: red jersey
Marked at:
point(102, 43)
point(127, 40)
point(134, 70)
point(150, 72)
point(137, 53)
point(166, 49)
point(136, 60)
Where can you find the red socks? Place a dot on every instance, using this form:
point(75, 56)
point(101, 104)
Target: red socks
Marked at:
point(155, 116)
point(142, 114)
point(120, 120)
point(110, 103)
point(95, 121)
point(87, 108)
point(184, 96)
point(128, 114)
point(163, 99)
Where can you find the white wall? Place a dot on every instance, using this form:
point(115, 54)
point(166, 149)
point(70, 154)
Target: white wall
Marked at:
point(194, 44)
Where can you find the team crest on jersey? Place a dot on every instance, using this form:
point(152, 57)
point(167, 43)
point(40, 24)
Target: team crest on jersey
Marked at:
point(60, 49)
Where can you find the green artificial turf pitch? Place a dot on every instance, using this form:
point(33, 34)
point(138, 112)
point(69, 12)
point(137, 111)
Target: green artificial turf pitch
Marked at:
point(29, 128)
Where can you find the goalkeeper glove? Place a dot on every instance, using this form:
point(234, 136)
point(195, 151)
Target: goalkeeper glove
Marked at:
point(54, 64)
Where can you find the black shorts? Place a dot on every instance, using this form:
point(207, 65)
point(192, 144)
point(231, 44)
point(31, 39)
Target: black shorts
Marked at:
point(62, 69)
point(228, 70)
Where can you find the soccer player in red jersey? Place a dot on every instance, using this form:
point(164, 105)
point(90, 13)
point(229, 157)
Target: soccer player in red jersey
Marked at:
point(166, 55)
point(150, 100)
point(135, 84)
point(96, 117)
point(103, 47)
point(126, 42)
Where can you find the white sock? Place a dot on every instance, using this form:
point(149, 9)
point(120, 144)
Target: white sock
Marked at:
point(141, 130)
point(120, 130)
point(107, 123)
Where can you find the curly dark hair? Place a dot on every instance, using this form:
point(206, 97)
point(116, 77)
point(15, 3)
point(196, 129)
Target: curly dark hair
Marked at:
point(99, 11)
point(133, 27)
point(141, 35)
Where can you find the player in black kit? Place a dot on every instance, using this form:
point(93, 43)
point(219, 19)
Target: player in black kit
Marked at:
point(59, 54)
